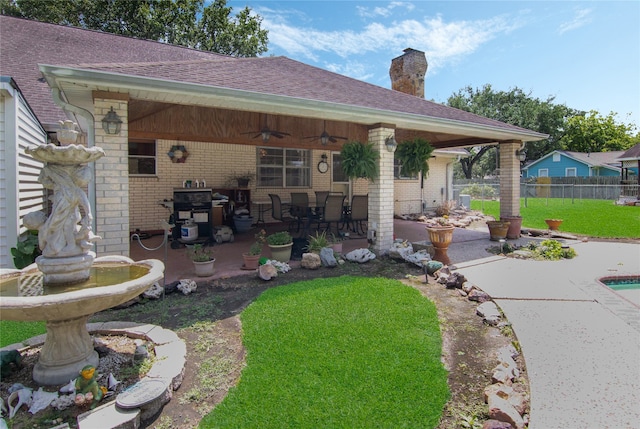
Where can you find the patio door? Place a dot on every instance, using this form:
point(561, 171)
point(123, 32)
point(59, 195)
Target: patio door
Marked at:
point(339, 181)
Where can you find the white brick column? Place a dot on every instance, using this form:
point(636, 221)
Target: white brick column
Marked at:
point(112, 181)
point(381, 192)
point(509, 179)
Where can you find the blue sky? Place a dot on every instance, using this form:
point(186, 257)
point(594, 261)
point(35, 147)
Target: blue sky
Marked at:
point(585, 53)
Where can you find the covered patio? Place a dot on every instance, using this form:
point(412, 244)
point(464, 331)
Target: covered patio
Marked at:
point(226, 123)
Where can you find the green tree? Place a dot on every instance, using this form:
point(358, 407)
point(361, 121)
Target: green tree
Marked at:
point(593, 132)
point(179, 22)
point(513, 107)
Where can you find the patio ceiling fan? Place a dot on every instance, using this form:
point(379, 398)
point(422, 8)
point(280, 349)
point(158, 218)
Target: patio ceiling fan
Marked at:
point(325, 137)
point(266, 133)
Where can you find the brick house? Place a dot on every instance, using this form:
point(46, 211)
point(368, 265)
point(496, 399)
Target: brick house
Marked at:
point(215, 107)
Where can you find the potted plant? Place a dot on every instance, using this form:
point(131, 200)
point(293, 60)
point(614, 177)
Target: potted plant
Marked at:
point(280, 244)
point(441, 236)
point(252, 257)
point(202, 258)
point(360, 160)
point(317, 243)
point(554, 224)
point(336, 243)
point(498, 229)
point(515, 226)
point(240, 179)
point(413, 156)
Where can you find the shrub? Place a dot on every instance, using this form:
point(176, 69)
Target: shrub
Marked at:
point(479, 191)
point(279, 238)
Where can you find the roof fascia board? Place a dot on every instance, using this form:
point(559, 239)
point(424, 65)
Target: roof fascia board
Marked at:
point(278, 104)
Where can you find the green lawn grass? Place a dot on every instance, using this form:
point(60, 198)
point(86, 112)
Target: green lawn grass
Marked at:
point(593, 218)
point(342, 353)
point(12, 332)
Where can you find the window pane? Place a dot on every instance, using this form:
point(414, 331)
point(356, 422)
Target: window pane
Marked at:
point(283, 167)
point(338, 173)
point(142, 158)
point(142, 148)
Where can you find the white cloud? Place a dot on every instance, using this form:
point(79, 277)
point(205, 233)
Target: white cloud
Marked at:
point(581, 18)
point(443, 42)
point(367, 12)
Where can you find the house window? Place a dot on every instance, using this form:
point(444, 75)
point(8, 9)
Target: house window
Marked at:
point(397, 170)
point(570, 172)
point(543, 172)
point(283, 168)
point(142, 158)
point(556, 157)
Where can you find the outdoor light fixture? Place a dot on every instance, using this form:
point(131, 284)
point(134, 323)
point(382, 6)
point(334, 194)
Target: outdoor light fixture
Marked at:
point(324, 138)
point(391, 143)
point(112, 122)
point(521, 154)
point(266, 134)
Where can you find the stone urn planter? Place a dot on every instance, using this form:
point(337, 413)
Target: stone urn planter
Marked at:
point(498, 229)
point(441, 237)
point(515, 226)
point(554, 224)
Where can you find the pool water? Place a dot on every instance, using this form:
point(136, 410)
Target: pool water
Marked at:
point(627, 287)
point(622, 283)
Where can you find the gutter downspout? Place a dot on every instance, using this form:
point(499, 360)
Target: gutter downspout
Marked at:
point(91, 141)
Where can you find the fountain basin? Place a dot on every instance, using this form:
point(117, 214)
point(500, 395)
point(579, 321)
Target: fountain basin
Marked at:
point(68, 346)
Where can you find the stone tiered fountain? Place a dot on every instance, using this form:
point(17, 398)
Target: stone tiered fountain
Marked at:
point(68, 284)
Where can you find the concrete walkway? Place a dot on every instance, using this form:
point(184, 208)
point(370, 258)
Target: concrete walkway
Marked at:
point(580, 340)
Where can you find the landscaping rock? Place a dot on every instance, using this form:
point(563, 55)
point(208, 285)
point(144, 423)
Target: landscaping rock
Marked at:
point(489, 312)
point(400, 250)
point(501, 409)
point(154, 292)
point(432, 266)
point(496, 424)
point(360, 256)
point(327, 258)
point(311, 261)
point(418, 258)
point(186, 286)
point(478, 296)
point(267, 272)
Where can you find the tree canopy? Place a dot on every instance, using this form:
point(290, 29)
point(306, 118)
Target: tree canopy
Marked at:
point(512, 107)
point(592, 132)
point(179, 22)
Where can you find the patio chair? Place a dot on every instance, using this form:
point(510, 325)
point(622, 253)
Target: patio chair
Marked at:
point(359, 213)
point(299, 207)
point(278, 212)
point(333, 210)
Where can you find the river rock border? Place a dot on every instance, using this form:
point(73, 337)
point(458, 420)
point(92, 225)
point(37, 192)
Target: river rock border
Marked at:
point(507, 398)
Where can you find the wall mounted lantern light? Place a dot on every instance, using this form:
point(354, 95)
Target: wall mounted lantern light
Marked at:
point(266, 134)
point(111, 123)
point(521, 154)
point(391, 143)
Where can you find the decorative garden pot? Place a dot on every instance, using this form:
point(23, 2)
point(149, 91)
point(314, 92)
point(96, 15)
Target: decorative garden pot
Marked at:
point(498, 229)
point(337, 247)
point(554, 224)
point(282, 252)
point(251, 262)
point(515, 226)
point(242, 223)
point(440, 237)
point(204, 269)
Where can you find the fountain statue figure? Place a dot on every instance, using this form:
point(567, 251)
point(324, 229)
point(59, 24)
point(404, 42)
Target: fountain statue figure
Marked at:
point(68, 284)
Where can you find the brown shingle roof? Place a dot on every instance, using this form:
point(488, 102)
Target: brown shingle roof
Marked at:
point(24, 44)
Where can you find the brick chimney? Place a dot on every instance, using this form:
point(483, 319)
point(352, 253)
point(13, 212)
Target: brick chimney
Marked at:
point(407, 72)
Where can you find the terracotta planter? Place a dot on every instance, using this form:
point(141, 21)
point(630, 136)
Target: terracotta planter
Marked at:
point(281, 253)
point(498, 229)
point(441, 237)
point(514, 227)
point(337, 247)
point(251, 262)
point(204, 269)
point(554, 224)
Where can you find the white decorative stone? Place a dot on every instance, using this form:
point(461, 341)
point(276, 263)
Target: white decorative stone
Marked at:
point(360, 255)
point(187, 286)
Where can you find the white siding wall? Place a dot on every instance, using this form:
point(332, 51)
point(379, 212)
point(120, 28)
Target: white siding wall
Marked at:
point(20, 192)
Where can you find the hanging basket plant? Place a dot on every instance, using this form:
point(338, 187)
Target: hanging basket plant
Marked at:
point(414, 156)
point(360, 160)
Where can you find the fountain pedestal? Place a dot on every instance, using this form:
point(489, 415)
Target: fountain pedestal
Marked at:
point(67, 350)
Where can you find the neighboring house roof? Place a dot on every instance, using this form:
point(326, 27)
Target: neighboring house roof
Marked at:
point(592, 159)
point(632, 154)
point(91, 56)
